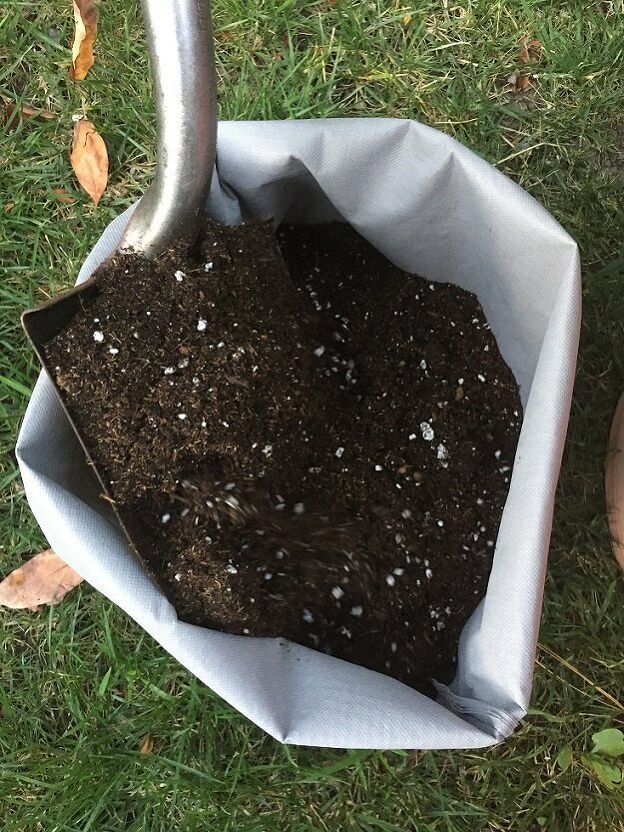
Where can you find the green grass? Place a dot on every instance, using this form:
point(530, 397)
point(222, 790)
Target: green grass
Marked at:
point(80, 684)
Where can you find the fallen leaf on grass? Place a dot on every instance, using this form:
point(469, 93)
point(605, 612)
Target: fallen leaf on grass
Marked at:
point(519, 83)
point(530, 50)
point(12, 114)
point(89, 159)
point(530, 53)
point(86, 19)
point(28, 111)
point(147, 744)
point(61, 195)
point(44, 579)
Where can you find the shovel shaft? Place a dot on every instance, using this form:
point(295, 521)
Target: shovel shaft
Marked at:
point(179, 35)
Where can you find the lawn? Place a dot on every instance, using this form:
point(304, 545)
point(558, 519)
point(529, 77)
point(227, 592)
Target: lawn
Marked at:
point(81, 686)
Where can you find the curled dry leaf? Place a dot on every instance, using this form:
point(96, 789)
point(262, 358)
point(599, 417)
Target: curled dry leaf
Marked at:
point(519, 83)
point(12, 112)
point(61, 195)
point(44, 579)
point(530, 50)
point(86, 19)
point(147, 744)
point(614, 482)
point(530, 53)
point(89, 159)
point(28, 111)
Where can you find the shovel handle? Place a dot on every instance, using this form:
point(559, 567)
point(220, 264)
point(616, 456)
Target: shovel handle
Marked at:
point(179, 36)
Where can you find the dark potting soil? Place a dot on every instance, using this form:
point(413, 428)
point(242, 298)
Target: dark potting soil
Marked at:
point(322, 455)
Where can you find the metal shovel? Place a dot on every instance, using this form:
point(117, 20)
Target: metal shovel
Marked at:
point(179, 35)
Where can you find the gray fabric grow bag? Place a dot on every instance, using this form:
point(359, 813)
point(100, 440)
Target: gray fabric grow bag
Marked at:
point(436, 209)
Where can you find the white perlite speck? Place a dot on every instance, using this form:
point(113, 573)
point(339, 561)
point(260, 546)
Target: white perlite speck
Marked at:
point(201, 325)
point(165, 518)
point(427, 431)
point(208, 267)
point(113, 350)
point(390, 580)
point(179, 276)
point(423, 364)
point(337, 593)
point(378, 468)
point(231, 569)
point(299, 508)
point(357, 612)
point(441, 451)
point(399, 571)
point(412, 436)
point(428, 573)
point(181, 416)
point(481, 377)
point(307, 617)
point(178, 576)
point(169, 371)
point(339, 452)
point(318, 352)
point(98, 336)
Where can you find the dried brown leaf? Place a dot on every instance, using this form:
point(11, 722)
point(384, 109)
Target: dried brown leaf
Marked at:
point(86, 19)
point(89, 159)
point(28, 111)
point(44, 579)
point(61, 195)
point(524, 82)
point(520, 82)
point(12, 112)
point(530, 50)
point(407, 19)
point(147, 744)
